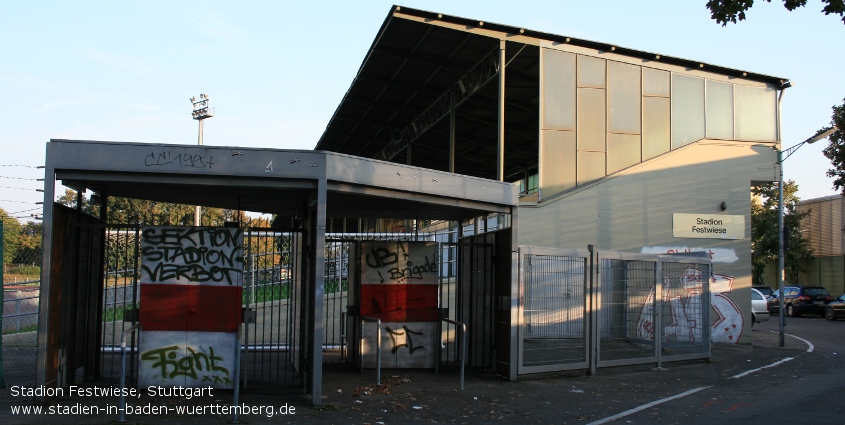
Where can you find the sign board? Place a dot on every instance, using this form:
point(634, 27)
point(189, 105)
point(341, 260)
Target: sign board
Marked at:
point(191, 297)
point(708, 226)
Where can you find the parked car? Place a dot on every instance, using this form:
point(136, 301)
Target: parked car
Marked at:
point(759, 307)
point(767, 291)
point(773, 303)
point(798, 300)
point(836, 309)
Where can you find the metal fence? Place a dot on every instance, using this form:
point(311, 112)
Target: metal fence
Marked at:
point(584, 309)
point(20, 278)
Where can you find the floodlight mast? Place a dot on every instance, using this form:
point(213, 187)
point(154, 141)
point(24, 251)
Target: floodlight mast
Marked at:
point(200, 113)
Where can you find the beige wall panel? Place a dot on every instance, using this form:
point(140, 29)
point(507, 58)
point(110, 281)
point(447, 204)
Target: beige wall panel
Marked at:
point(591, 166)
point(591, 120)
point(632, 212)
point(623, 150)
point(656, 129)
point(591, 72)
point(656, 82)
point(822, 227)
point(687, 110)
point(557, 169)
point(558, 90)
point(623, 98)
point(720, 110)
point(756, 113)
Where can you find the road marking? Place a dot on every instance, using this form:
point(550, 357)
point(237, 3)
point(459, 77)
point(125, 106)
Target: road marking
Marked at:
point(810, 348)
point(646, 406)
point(748, 372)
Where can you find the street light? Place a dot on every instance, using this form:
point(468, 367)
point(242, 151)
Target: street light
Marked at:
point(200, 113)
point(818, 136)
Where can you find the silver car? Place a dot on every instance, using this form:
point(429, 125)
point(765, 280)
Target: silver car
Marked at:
point(759, 307)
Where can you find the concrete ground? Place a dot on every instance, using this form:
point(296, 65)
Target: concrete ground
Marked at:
point(422, 396)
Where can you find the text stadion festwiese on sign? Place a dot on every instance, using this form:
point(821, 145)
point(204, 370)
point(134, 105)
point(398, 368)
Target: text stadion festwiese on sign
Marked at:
point(709, 226)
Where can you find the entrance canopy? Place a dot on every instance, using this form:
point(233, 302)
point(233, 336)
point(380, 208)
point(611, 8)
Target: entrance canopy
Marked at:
point(311, 187)
point(271, 181)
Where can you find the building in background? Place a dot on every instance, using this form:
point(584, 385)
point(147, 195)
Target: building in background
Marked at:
point(629, 150)
point(823, 228)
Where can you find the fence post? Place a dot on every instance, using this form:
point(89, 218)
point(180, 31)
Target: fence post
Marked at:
point(3, 304)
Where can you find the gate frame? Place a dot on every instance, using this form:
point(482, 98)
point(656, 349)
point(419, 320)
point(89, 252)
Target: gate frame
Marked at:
point(592, 305)
point(588, 318)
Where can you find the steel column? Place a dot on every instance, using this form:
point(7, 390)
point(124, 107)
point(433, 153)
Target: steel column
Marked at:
point(500, 158)
point(318, 252)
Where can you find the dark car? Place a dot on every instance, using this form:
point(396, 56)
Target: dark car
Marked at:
point(773, 303)
point(798, 300)
point(836, 309)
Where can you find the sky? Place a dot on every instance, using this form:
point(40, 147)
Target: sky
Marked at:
point(276, 70)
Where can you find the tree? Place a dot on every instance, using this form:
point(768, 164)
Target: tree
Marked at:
point(724, 11)
point(29, 244)
point(835, 150)
point(11, 236)
point(156, 213)
point(764, 231)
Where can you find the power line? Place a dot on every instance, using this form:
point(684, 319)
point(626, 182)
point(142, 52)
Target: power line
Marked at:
point(17, 178)
point(21, 188)
point(18, 202)
point(25, 211)
point(22, 166)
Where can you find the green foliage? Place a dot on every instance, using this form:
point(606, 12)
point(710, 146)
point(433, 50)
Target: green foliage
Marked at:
point(764, 231)
point(157, 213)
point(11, 236)
point(21, 242)
point(724, 11)
point(835, 150)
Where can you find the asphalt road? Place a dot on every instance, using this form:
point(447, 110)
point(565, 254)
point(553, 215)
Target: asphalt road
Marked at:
point(808, 389)
point(748, 384)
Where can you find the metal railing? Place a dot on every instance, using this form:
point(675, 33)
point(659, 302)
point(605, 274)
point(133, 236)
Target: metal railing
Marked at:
point(122, 399)
point(15, 317)
point(463, 346)
point(378, 345)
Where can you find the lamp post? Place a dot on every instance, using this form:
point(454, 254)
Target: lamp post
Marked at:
point(781, 157)
point(200, 113)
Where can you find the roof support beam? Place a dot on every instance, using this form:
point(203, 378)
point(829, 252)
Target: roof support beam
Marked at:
point(415, 57)
point(482, 73)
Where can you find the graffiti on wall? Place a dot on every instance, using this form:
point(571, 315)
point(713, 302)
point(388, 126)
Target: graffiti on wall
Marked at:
point(403, 345)
point(175, 358)
point(205, 255)
point(168, 158)
point(403, 338)
point(399, 262)
point(717, 255)
point(683, 297)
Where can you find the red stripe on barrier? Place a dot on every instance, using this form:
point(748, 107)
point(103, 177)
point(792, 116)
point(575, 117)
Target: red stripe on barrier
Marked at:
point(202, 308)
point(400, 303)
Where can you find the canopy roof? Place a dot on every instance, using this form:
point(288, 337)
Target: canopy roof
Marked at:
point(272, 181)
point(418, 56)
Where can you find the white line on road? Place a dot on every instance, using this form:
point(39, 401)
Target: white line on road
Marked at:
point(810, 348)
point(748, 372)
point(646, 406)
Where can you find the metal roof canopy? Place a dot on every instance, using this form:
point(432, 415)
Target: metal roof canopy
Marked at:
point(417, 56)
point(271, 181)
point(319, 185)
